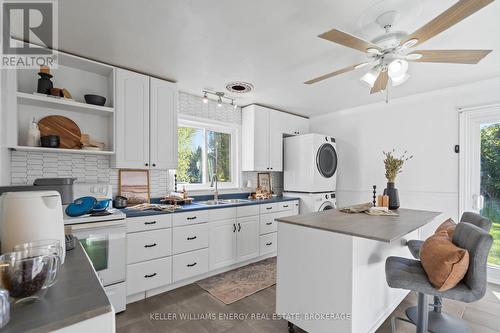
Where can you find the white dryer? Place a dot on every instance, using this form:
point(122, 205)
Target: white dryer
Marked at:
point(314, 202)
point(310, 163)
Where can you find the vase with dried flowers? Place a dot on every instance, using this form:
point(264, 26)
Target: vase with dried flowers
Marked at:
point(393, 167)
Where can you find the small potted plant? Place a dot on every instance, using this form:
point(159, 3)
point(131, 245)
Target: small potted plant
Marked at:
point(393, 167)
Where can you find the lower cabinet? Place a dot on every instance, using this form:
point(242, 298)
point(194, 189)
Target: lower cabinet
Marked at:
point(148, 275)
point(247, 238)
point(268, 243)
point(190, 264)
point(222, 250)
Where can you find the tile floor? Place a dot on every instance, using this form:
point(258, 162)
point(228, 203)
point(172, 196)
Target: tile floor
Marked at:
point(191, 300)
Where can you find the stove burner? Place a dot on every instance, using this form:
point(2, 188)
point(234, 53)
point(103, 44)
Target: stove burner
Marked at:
point(103, 213)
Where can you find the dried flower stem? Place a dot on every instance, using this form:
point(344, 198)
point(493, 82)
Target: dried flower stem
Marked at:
point(394, 165)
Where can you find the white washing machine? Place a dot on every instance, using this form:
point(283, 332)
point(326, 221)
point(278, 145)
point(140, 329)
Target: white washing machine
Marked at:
point(314, 202)
point(310, 164)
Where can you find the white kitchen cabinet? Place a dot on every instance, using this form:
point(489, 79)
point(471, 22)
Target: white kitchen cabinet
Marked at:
point(247, 238)
point(131, 120)
point(296, 207)
point(262, 137)
point(222, 250)
point(293, 125)
point(145, 122)
point(163, 124)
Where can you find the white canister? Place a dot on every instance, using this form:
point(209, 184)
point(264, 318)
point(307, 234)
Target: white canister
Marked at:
point(31, 216)
point(33, 139)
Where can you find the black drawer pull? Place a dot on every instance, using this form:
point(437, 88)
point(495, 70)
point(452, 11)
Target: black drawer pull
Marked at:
point(191, 218)
point(191, 238)
point(149, 223)
point(191, 265)
point(269, 223)
point(150, 245)
point(269, 208)
point(147, 276)
point(285, 206)
point(234, 227)
point(270, 243)
point(239, 227)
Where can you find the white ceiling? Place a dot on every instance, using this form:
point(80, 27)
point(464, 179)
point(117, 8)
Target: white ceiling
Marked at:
point(270, 43)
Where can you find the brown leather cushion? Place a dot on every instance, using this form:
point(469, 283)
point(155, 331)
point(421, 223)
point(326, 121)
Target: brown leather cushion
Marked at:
point(449, 226)
point(444, 262)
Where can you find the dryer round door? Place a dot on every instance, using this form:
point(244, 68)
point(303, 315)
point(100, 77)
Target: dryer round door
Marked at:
point(326, 160)
point(327, 205)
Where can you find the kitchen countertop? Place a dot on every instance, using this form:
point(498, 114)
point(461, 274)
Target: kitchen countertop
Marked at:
point(76, 296)
point(194, 206)
point(380, 228)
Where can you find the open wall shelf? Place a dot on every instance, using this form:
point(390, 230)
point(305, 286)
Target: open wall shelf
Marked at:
point(61, 150)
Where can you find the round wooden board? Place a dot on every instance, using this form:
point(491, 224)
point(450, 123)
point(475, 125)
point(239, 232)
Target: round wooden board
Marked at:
point(68, 131)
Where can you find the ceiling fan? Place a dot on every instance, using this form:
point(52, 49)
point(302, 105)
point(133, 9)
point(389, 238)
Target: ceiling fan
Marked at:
point(390, 53)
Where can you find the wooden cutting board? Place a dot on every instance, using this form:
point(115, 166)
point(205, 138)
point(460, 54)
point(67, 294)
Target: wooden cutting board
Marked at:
point(68, 131)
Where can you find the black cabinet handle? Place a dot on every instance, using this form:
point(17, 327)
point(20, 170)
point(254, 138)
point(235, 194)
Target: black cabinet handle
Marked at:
point(147, 276)
point(234, 227)
point(146, 164)
point(149, 223)
point(191, 238)
point(269, 223)
point(192, 218)
point(150, 245)
point(191, 265)
point(269, 208)
point(285, 206)
point(270, 243)
point(239, 227)
point(154, 164)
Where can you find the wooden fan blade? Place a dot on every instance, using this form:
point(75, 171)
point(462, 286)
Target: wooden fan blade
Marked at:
point(381, 83)
point(448, 18)
point(329, 75)
point(452, 56)
point(345, 39)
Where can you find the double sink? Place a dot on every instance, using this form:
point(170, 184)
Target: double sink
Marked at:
point(221, 202)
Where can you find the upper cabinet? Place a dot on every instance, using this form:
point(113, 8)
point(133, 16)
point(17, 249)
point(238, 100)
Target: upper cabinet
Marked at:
point(163, 124)
point(146, 122)
point(132, 120)
point(262, 136)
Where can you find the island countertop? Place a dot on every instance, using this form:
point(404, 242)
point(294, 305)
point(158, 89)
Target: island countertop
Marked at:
point(380, 228)
point(76, 296)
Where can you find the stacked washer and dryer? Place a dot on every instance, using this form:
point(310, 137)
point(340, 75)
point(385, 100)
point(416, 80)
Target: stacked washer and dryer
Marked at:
point(310, 171)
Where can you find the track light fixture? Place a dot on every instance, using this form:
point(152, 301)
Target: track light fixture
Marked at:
point(221, 98)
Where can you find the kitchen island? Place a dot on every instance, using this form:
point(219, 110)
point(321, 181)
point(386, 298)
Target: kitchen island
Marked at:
point(331, 268)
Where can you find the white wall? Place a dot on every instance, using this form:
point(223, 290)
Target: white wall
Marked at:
point(427, 125)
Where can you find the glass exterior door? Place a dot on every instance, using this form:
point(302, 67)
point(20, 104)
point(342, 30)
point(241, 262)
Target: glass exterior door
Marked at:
point(490, 184)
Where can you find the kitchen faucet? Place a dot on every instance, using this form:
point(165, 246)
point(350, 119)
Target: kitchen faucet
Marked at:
point(214, 178)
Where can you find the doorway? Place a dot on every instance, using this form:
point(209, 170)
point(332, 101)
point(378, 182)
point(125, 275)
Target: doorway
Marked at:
point(480, 172)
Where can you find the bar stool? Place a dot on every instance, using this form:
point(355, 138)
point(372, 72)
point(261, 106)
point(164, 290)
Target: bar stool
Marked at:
point(436, 317)
point(403, 273)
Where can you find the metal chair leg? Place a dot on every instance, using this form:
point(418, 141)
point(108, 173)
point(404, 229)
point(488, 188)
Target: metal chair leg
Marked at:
point(423, 313)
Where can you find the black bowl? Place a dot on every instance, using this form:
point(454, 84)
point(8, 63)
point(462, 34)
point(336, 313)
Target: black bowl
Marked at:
point(95, 99)
point(50, 141)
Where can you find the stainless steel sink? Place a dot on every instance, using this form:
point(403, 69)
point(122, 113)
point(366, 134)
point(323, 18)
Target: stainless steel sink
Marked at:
point(212, 202)
point(233, 201)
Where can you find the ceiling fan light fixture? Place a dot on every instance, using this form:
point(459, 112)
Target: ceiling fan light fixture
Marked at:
point(414, 56)
point(373, 50)
point(397, 69)
point(410, 43)
point(400, 80)
point(370, 77)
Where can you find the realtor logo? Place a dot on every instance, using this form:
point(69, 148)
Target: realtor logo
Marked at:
point(29, 33)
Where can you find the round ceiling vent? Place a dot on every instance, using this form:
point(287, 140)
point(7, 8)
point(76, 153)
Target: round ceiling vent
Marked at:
point(239, 87)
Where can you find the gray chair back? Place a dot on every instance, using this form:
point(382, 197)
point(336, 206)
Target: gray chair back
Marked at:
point(478, 242)
point(476, 219)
